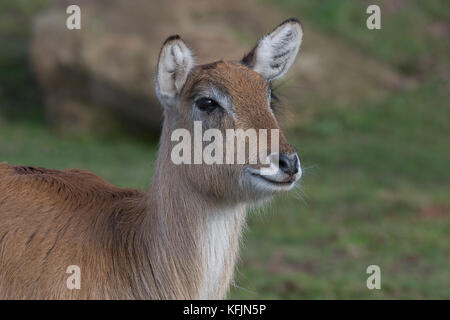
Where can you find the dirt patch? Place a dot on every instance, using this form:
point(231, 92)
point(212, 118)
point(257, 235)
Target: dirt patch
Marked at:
point(435, 212)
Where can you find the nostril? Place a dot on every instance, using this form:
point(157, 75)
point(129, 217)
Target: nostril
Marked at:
point(296, 163)
point(284, 164)
point(289, 164)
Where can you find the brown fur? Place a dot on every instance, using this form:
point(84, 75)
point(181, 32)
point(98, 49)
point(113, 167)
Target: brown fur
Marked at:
point(52, 219)
point(130, 244)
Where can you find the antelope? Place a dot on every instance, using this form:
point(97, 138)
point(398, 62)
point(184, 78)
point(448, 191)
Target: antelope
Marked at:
point(180, 239)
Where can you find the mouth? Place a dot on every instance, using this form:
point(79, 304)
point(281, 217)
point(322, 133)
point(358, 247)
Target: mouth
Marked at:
point(285, 182)
point(272, 183)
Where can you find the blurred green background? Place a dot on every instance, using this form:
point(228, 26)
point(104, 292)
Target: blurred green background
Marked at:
point(376, 185)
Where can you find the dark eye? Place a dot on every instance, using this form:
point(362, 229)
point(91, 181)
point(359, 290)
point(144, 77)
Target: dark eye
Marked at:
point(206, 104)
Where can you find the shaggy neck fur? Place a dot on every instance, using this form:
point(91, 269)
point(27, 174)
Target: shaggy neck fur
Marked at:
point(195, 238)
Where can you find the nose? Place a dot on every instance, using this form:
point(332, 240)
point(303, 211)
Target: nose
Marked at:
point(289, 163)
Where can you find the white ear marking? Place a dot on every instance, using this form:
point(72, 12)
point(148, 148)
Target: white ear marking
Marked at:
point(275, 52)
point(174, 64)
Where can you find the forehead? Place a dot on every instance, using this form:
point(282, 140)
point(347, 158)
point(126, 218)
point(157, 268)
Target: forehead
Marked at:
point(234, 79)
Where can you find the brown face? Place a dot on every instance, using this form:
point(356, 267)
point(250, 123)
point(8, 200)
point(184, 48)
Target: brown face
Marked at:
point(228, 97)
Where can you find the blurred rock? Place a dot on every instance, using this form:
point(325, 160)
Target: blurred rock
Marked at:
point(103, 73)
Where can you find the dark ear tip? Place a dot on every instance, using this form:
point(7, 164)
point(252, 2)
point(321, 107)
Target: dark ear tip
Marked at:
point(291, 20)
point(172, 38)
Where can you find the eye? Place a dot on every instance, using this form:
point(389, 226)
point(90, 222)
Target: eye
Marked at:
point(206, 104)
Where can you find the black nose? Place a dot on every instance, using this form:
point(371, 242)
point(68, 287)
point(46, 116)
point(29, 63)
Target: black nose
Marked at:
point(289, 163)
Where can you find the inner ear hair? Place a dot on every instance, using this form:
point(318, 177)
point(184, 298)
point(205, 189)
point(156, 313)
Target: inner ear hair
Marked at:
point(174, 64)
point(274, 53)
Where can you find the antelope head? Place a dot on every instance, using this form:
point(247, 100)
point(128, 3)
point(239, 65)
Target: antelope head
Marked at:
point(226, 96)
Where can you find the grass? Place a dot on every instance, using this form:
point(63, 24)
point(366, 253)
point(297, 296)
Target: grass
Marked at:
point(376, 193)
point(376, 185)
point(33, 144)
point(412, 35)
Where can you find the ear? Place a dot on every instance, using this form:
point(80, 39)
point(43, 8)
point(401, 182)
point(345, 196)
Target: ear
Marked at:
point(274, 54)
point(174, 64)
